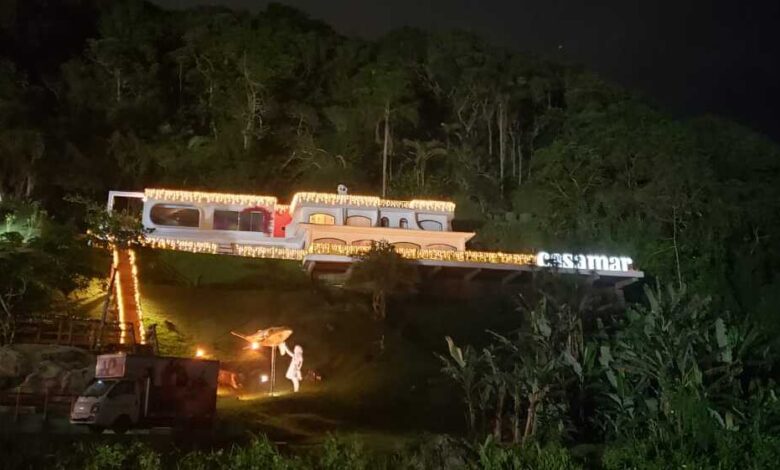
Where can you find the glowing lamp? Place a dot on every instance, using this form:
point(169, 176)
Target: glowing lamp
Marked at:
point(255, 345)
point(200, 352)
point(263, 378)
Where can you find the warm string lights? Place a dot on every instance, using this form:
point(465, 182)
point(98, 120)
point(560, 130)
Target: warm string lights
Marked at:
point(270, 252)
point(431, 255)
point(181, 245)
point(369, 201)
point(254, 251)
point(137, 294)
point(199, 197)
point(119, 297)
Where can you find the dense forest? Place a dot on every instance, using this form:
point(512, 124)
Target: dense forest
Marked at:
point(122, 95)
point(98, 95)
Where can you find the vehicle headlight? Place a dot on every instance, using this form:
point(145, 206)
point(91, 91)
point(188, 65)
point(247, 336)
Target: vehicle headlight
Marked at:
point(94, 408)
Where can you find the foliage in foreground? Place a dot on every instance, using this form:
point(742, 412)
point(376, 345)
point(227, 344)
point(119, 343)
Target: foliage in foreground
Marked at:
point(671, 379)
point(731, 450)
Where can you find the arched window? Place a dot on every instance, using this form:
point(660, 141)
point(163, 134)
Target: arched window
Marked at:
point(330, 241)
point(322, 219)
point(358, 221)
point(403, 223)
point(441, 246)
point(411, 246)
point(430, 225)
point(362, 242)
point(172, 215)
point(384, 222)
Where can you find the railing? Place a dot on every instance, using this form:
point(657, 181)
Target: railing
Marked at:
point(46, 402)
point(68, 331)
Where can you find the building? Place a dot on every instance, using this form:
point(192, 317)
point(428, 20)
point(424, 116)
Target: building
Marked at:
point(325, 231)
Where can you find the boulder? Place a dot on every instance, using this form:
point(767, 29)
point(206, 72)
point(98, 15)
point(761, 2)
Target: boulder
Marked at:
point(37, 368)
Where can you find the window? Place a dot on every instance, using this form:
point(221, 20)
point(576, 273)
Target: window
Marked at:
point(330, 241)
point(384, 222)
point(412, 246)
point(358, 221)
point(252, 221)
point(322, 219)
point(362, 242)
point(98, 388)
point(441, 246)
point(225, 220)
point(175, 216)
point(403, 223)
point(431, 225)
point(122, 388)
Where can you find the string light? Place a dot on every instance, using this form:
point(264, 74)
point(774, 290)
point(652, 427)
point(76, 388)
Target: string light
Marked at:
point(296, 254)
point(119, 297)
point(181, 245)
point(200, 197)
point(430, 255)
point(369, 201)
point(137, 294)
point(254, 251)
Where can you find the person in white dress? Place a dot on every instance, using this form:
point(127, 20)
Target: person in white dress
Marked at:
point(294, 370)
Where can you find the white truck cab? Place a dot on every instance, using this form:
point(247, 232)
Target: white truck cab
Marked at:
point(135, 391)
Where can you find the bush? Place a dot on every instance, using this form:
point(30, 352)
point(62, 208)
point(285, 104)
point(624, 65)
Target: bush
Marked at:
point(494, 456)
point(744, 450)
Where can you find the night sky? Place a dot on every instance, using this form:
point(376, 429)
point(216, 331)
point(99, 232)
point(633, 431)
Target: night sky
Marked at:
point(692, 57)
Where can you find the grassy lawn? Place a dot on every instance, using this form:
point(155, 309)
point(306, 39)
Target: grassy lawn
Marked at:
point(196, 300)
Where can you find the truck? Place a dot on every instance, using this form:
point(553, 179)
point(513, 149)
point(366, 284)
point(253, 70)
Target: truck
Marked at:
point(142, 391)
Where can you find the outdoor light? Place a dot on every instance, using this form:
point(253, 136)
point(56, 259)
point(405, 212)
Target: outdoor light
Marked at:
point(198, 197)
point(255, 345)
point(263, 378)
point(200, 352)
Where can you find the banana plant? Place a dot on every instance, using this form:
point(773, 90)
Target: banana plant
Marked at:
point(463, 366)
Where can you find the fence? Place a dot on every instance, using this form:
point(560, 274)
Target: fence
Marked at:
point(69, 331)
point(28, 403)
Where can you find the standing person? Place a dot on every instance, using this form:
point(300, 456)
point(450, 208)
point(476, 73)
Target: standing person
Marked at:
point(294, 370)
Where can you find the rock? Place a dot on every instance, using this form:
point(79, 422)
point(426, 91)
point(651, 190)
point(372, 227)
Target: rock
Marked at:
point(12, 363)
point(37, 368)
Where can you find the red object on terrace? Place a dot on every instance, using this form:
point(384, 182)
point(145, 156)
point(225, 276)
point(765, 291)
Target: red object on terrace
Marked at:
point(281, 219)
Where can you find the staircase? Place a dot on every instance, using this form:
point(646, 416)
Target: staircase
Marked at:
point(127, 297)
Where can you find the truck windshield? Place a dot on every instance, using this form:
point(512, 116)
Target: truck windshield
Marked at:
point(98, 388)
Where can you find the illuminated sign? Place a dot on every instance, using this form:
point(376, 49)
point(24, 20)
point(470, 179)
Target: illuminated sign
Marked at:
point(584, 262)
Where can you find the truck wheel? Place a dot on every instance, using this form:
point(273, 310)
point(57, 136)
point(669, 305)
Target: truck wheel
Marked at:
point(96, 429)
point(121, 425)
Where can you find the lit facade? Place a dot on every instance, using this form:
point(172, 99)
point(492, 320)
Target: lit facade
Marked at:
point(228, 221)
point(333, 229)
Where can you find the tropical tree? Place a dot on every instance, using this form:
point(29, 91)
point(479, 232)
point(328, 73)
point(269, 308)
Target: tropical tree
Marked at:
point(421, 153)
point(463, 366)
point(383, 272)
point(677, 366)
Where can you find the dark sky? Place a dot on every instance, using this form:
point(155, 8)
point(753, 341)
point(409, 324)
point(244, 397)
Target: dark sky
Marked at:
point(693, 56)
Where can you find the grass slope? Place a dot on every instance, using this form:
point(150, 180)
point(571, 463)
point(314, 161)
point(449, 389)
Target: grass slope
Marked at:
point(196, 300)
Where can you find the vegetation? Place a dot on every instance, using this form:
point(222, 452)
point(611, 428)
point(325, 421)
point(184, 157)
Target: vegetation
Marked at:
point(535, 154)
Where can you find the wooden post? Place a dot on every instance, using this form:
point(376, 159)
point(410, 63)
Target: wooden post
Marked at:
point(46, 405)
point(18, 398)
point(70, 332)
point(273, 371)
point(59, 329)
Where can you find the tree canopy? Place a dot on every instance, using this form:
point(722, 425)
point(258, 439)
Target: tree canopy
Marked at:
point(535, 153)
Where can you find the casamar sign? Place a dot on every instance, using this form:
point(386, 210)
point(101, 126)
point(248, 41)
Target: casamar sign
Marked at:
point(584, 262)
